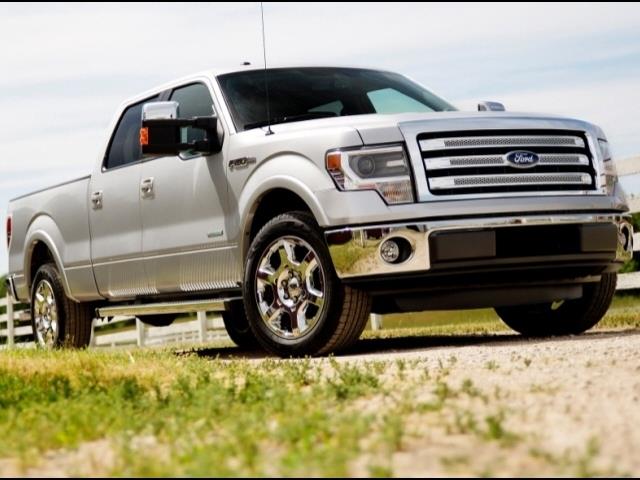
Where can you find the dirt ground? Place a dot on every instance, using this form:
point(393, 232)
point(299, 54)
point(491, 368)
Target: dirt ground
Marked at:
point(572, 405)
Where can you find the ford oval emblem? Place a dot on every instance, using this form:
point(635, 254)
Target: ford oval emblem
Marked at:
point(522, 159)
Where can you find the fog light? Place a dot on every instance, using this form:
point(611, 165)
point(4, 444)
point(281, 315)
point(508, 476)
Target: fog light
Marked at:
point(390, 251)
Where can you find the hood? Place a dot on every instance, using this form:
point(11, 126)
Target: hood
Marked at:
point(380, 128)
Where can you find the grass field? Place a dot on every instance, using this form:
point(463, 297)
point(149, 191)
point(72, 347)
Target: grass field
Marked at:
point(187, 413)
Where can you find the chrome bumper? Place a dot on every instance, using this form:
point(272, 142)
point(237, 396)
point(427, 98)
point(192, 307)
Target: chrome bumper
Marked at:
point(11, 287)
point(355, 251)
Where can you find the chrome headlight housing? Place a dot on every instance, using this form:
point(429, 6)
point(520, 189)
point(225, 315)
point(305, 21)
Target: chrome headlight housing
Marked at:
point(609, 171)
point(383, 169)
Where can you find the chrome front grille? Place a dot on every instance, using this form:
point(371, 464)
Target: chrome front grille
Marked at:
point(458, 163)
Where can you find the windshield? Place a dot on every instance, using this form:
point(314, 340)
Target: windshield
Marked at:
point(297, 94)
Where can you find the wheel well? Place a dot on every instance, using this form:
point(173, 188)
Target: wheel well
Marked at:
point(39, 256)
point(274, 203)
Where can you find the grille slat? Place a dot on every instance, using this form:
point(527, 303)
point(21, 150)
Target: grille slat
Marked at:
point(476, 162)
point(466, 161)
point(501, 141)
point(510, 179)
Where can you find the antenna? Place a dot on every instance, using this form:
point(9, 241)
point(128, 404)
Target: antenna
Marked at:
point(266, 80)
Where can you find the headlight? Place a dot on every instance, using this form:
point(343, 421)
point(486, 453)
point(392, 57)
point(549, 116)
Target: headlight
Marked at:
point(383, 169)
point(608, 166)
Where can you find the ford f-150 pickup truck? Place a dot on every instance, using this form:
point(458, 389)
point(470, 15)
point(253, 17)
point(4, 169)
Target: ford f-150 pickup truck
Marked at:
point(299, 200)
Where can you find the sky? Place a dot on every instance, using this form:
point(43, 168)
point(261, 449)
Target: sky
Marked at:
point(65, 68)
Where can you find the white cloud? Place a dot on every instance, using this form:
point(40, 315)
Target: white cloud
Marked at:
point(64, 68)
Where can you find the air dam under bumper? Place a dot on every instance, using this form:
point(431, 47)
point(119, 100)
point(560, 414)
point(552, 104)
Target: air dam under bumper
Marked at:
point(388, 250)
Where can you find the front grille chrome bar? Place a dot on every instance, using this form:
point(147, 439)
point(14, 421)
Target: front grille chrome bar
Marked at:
point(508, 180)
point(470, 161)
point(495, 141)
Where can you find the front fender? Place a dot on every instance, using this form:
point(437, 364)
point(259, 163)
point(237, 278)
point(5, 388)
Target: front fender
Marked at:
point(279, 172)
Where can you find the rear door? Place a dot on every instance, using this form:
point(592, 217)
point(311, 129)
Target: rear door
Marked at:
point(185, 236)
point(114, 212)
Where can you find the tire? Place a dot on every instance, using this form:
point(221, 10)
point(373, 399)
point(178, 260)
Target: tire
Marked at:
point(334, 316)
point(57, 321)
point(158, 320)
point(572, 317)
point(237, 325)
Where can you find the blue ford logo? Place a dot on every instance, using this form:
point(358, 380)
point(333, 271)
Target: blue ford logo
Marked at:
point(522, 159)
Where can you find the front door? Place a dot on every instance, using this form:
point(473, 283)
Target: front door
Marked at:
point(185, 235)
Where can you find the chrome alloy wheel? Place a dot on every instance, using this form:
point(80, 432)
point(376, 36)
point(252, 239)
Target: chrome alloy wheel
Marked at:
point(45, 313)
point(290, 287)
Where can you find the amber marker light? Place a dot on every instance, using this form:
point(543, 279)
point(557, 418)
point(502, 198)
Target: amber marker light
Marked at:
point(144, 136)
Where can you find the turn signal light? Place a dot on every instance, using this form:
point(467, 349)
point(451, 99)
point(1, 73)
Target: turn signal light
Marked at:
point(144, 136)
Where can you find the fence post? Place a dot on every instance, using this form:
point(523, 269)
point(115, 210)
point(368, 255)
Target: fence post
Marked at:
point(10, 325)
point(92, 342)
point(141, 332)
point(202, 326)
point(376, 321)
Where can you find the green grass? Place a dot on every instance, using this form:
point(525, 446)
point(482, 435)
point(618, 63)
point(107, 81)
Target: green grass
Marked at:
point(207, 416)
point(214, 417)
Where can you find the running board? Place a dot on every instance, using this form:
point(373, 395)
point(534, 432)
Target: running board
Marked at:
point(165, 307)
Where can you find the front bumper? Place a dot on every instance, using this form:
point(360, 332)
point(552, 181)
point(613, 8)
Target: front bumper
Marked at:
point(441, 244)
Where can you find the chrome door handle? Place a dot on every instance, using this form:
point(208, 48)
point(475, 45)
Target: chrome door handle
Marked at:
point(96, 200)
point(146, 187)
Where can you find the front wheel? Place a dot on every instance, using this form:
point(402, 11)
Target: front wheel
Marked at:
point(569, 317)
point(294, 301)
point(57, 321)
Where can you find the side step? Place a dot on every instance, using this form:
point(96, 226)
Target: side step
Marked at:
point(216, 305)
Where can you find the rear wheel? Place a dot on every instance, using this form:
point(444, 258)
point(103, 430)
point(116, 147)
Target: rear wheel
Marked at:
point(295, 303)
point(57, 321)
point(569, 317)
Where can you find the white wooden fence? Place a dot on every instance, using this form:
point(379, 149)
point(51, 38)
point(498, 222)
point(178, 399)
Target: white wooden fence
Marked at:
point(15, 326)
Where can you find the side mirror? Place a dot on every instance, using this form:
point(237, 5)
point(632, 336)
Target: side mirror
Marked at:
point(490, 106)
point(163, 133)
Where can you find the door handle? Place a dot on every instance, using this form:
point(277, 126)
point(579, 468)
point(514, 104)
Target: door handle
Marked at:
point(146, 188)
point(96, 200)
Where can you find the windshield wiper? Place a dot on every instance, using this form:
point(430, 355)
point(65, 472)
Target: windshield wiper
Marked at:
point(290, 118)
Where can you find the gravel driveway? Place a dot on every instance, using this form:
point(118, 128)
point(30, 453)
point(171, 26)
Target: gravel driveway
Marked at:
point(564, 406)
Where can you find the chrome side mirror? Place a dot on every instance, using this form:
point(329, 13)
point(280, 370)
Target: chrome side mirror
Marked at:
point(160, 111)
point(162, 129)
point(490, 107)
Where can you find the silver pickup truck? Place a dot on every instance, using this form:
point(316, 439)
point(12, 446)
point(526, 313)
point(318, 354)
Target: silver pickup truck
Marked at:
point(299, 200)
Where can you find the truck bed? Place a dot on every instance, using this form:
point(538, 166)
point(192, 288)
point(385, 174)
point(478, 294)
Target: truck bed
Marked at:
point(58, 217)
